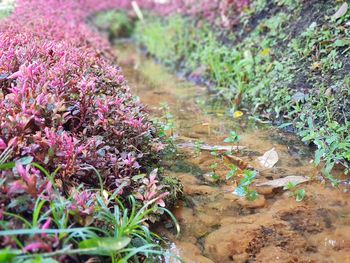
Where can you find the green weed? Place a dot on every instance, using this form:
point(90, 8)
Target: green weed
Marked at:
point(295, 79)
point(116, 23)
point(243, 188)
point(113, 228)
point(299, 194)
point(6, 10)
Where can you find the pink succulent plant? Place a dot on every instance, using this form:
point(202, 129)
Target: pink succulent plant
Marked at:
point(151, 191)
point(63, 94)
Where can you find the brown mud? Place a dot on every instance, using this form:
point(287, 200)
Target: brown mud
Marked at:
point(216, 225)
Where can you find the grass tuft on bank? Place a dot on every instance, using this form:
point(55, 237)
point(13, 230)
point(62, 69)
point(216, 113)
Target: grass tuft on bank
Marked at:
point(286, 62)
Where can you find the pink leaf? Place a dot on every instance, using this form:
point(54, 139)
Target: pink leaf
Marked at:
point(3, 145)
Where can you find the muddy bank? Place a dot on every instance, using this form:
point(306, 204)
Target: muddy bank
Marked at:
point(218, 226)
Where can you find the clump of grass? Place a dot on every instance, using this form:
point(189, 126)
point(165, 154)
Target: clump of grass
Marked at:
point(6, 9)
point(293, 76)
point(117, 23)
point(89, 222)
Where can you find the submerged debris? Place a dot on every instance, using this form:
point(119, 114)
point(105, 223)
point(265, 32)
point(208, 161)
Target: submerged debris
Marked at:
point(282, 182)
point(269, 159)
point(205, 147)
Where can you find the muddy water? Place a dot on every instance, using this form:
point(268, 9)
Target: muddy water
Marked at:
point(216, 225)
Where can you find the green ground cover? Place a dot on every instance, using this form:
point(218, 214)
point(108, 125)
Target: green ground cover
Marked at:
point(287, 62)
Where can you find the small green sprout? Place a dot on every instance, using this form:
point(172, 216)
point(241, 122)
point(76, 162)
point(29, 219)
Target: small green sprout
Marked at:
point(233, 138)
point(215, 152)
point(197, 147)
point(252, 195)
point(213, 168)
point(243, 188)
point(232, 172)
point(298, 194)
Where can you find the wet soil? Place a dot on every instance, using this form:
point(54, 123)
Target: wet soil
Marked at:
point(216, 225)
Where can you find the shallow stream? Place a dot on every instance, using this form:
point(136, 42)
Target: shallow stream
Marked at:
point(218, 226)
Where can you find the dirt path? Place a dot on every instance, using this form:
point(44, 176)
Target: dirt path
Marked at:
point(216, 225)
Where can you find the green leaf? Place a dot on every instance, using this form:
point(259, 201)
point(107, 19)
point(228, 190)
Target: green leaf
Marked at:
point(284, 125)
point(11, 165)
point(340, 43)
point(289, 186)
point(33, 231)
point(232, 172)
point(138, 177)
point(248, 178)
point(49, 260)
point(103, 246)
point(7, 255)
point(329, 166)
point(334, 181)
point(299, 195)
point(310, 122)
point(51, 152)
point(230, 175)
point(252, 195)
point(347, 155)
point(232, 138)
point(26, 160)
point(318, 155)
point(228, 140)
point(240, 191)
point(214, 152)
point(7, 166)
point(213, 166)
point(215, 176)
point(40, 259)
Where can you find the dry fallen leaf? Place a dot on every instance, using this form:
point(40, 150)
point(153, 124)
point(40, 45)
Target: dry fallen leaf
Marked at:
point(269, 159)
point(341, 11)
point(241, 164)
point(281, 182)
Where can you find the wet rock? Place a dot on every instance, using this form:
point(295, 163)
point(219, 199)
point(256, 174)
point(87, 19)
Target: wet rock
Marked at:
point(224, 205)
point(189, 253)
point(332, 241)
point(265, 190)
point(207, 220)
point(187, 178)
point(258, 203)
point(276, 235)
point(274, 254)
point(184, 214)
point(229, 196)
point(204, 158)
point(241, 258)
point(192, 186)
point(190, 225)
point(307, 220)
point(208, 177)
point(195, 189)
point(201, 129)
point(229, 243)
